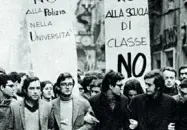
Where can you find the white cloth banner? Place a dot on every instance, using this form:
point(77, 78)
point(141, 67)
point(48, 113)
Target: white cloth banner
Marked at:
point(127, 37)
point(51, 38)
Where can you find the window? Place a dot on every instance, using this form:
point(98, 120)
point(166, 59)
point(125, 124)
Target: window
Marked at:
point(169, 58)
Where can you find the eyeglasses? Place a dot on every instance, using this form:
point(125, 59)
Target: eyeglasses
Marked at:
point(66, 84)
point(183, 73)
point(11, 85)
point(119, 85)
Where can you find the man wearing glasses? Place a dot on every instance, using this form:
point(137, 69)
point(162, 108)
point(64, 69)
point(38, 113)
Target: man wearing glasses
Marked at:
point(110, 106)
point(6, 94)
point(7, 89)
point(70, 112)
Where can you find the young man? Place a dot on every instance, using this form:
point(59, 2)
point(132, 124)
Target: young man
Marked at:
point(16, 80)
point(154, 110)
point(30, 113)
point(95, 87)
point(6, 92)
point(183, 72)
point(70, 112)
point(110, 106)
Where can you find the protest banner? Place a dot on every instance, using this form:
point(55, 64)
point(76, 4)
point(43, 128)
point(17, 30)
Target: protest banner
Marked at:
point(127, 37)
point(51, 38)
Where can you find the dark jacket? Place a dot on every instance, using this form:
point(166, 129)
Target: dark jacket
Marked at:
point(182, 122)
point(116, 119)
point(153, 114)
point(171, 91)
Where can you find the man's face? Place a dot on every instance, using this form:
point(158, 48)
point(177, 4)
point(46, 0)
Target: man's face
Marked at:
point(66, 87)
point(116, 89)
point(169, 77)
point(9, 89)
point(183, 73)
point(150, 86)
point(34, 90)
point(95, 90)
point(81, 89)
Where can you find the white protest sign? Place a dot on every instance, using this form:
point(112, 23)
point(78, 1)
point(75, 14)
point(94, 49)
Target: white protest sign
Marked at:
point(51, 38)
point(127, 37)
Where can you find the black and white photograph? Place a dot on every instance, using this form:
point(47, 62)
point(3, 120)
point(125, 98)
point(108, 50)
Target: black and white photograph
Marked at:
point(93, 64)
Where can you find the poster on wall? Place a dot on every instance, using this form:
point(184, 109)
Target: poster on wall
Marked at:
point(127, 37)
point(51, 38)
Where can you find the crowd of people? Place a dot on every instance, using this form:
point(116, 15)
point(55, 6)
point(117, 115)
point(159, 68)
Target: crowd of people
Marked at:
point(105, 101)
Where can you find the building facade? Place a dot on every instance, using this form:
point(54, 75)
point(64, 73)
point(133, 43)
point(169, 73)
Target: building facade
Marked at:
point(90, 35)
point(168, 22)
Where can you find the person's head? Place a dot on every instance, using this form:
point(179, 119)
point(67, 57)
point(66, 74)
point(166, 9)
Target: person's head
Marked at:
point(6, 85)
point(132, 88)
point(112, 81)
point(32, 88)
point(183, 72)
point(154, 82)
point(65, 84)
point(86, 82)
point(47, 90)
point(169, 75)
point(16, 79)
point(81, 89)
point(95, 87)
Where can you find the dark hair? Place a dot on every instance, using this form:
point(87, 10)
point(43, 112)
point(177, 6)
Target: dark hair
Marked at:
point(86, 82)
point(56, 90)
point(44, 83)
point(169, 69)
point(23, 74)
point(158, 79)
point(15, 77)
point(64, 76)
point(96, 83)
point(27, 82)
point(3, 80)
point(181, 68)
point(110, 79)
point(132, 84)
point(183, 83)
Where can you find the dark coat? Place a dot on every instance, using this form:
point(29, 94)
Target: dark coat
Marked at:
point(116, 119)
point(153, 114)
point(182, 122)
